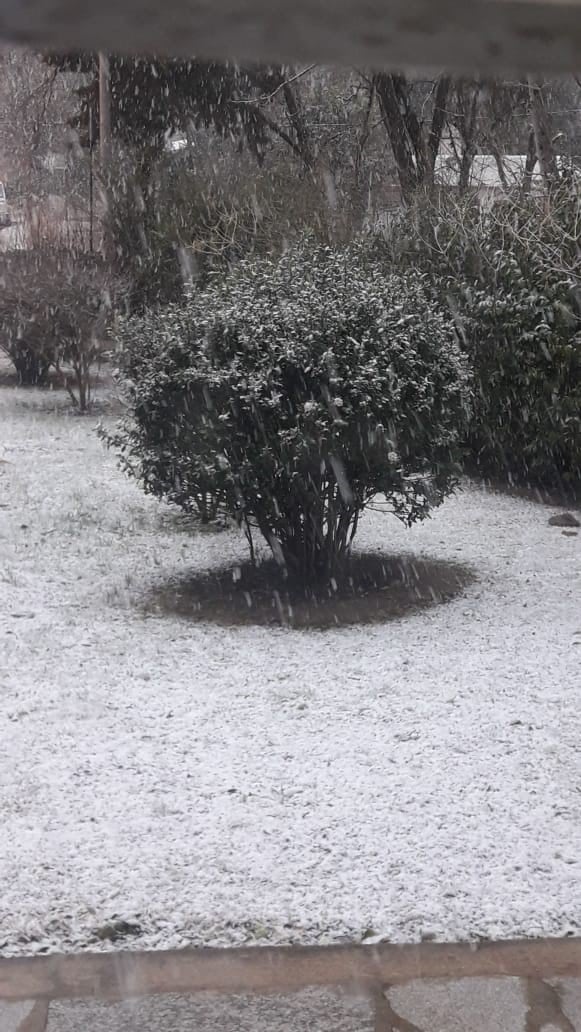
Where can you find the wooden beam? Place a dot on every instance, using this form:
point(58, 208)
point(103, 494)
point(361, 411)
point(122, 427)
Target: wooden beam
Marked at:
point(489, 35)
point(283, 969)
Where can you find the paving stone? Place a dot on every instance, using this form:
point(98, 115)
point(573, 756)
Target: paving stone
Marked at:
point(307, 1011)
point(569, 990)
point(466, 1005)
point(14, 1015)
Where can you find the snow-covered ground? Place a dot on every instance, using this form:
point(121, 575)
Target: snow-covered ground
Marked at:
point(220, 786)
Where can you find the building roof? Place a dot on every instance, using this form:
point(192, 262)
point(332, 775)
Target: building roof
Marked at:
point(485, 174)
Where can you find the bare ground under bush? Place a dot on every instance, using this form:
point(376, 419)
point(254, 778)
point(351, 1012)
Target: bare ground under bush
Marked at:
point(374, 588)
point(569, 495)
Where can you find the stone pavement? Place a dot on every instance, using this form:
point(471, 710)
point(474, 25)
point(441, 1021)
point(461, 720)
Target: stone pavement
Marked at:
point(431, 1005)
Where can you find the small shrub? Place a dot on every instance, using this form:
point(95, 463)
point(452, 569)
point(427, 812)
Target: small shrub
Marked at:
point(54, 311)
point(28, 351)
point(291, 395)
point(85, 301)
point(26, 335)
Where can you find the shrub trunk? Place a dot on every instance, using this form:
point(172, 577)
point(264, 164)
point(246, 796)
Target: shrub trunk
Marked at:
point(31, 366)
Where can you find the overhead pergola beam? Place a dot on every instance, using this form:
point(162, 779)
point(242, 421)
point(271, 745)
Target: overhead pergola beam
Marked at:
point(488, 35)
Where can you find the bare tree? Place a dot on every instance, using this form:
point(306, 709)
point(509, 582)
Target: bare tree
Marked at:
point(414, 136)
point(464, 115)
point(34, 107)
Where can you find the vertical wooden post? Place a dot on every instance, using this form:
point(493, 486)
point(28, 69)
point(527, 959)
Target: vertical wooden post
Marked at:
point(105, 147)
point(91, 184)
point(104, 111)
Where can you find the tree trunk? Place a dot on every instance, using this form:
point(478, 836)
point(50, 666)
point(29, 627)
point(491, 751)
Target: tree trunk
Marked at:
point(543, 135)
point(31, 366)
point(438, 122)
point(302, 133)
point(396, 129)
point(468, 101)
point(530, 162)
point(495, 151)
point(82, 391)
point(414, 153)
point(315, 546)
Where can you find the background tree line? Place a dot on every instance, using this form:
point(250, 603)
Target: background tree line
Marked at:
point(351, 138)
point(211, 164)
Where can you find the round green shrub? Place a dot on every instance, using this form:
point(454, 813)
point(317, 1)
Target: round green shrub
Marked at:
point(291, 394)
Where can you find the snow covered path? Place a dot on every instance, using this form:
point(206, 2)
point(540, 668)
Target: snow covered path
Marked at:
point(220, 786)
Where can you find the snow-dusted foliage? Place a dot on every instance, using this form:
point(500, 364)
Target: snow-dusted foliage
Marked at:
point(512, 278)
point(292, 393)
point(523, 329)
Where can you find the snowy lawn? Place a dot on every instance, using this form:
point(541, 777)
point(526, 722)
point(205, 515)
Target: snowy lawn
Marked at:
point(221, 785)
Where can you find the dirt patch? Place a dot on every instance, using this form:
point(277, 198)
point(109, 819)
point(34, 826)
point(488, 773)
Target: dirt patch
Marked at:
point(567, 497)
point(374, 589)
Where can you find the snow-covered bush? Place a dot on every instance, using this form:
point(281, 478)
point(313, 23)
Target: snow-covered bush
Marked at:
point(522, 321)
point(292, 394)
point(526, 343)
point(512, 278)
